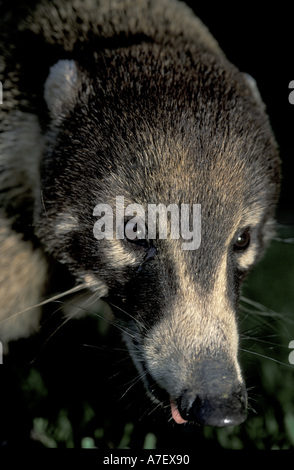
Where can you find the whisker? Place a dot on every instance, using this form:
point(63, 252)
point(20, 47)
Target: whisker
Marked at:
point(250, 407)
point(284, 240)
point(104, 348)
point(134, 382)
point(257, 305)
point(43, 203)
point(158, 405)
point(259, 340)
point(266, 357)
point(62, 305)
point(127, 313)
point(96, 314)
point(47, 301)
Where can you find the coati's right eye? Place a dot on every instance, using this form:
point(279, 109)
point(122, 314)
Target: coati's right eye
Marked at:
point(135, 232)
point(242, 241)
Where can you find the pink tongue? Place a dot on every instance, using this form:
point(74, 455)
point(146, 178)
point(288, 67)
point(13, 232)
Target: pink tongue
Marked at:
point(176, 414)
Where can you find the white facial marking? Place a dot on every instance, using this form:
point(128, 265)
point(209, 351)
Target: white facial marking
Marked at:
point(198, 324)
point(95, 284)
point(118, 256)
point(60, 86)
point(247, 259)
point(66, 223)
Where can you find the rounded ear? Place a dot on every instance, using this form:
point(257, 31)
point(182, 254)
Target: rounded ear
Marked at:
point(253, 86)
point(61, 87)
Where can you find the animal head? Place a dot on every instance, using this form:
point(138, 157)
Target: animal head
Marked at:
point(192, 134)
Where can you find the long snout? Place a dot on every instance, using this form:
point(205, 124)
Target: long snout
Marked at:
point(213, 410)
point(209, 392)
point(196, 364)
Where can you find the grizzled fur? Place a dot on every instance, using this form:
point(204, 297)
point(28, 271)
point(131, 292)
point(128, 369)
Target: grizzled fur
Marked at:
point(139, 102)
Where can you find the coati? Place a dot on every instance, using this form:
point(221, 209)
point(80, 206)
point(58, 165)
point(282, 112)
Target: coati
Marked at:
point(105, 99)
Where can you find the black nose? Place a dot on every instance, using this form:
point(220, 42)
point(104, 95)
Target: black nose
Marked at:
point(226, 410)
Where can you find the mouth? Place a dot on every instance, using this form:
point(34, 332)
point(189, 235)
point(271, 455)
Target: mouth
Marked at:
point(176, 414)
point(161, 396)
point(210, 410)
point(219, 405)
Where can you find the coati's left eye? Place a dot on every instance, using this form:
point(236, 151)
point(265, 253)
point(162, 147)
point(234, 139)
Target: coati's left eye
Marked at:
point(242, 241)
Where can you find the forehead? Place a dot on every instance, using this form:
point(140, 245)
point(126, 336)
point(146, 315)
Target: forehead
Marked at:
point(220, 173)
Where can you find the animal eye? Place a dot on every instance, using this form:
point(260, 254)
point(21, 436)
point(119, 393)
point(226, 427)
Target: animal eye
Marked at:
point(242, 241)
point(135, 232)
